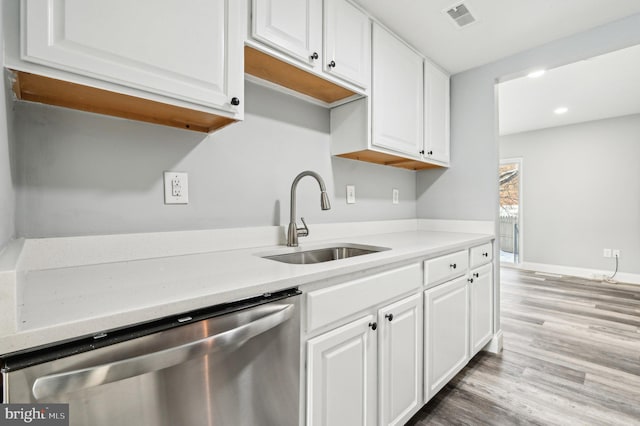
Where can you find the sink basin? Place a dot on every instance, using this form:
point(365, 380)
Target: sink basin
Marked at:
point(326, 254)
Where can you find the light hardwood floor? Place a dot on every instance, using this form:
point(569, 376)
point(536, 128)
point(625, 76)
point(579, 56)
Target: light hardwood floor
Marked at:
point(571, 357)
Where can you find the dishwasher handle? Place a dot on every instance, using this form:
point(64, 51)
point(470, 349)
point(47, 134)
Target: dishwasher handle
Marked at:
point(119, 370)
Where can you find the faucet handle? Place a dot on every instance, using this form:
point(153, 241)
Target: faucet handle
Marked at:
point(303, 232)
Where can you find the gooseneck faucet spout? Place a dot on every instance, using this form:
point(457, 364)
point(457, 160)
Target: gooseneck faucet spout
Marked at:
point(294, 232)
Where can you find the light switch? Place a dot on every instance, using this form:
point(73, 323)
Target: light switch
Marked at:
point(395, 198)
point(351, 194)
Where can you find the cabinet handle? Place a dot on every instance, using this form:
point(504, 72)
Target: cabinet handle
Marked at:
point(389, 317)
point(453, 266)
point(373, 325)
point(430, 152)
point(332, 64)
point(477, 275)
point(314, 56)
point(235, 101)
point(470, 280)
point(422, 152)
point(485, 254)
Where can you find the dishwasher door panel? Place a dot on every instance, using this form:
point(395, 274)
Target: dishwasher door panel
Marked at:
point(232, 375)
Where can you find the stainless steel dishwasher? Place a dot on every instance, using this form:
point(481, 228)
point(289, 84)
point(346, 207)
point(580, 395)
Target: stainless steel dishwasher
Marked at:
point(232, 364)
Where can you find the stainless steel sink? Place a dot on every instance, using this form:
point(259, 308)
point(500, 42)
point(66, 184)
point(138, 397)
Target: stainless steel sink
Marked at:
point(325, 254)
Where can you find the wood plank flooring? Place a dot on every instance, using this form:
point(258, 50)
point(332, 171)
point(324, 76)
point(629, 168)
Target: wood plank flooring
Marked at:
point(571, 357)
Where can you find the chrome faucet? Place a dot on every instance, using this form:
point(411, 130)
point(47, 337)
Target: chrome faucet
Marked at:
point(295, 232)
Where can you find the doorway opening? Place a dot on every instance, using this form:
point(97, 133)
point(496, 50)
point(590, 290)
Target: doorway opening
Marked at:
point(510, 210)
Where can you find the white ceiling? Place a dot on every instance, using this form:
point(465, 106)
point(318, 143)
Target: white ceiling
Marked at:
point(503, 27)
point(601, 87)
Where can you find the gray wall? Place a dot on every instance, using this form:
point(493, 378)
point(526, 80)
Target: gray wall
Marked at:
point(581, 188)
point(7, 193)
point(469, 189)
point(81, 174)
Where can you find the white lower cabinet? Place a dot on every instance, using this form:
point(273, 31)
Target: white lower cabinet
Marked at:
point(400, 360)
point(380, 368)
point(341, 375)
point(481, 295)
point(446, 333)
point(368, 363)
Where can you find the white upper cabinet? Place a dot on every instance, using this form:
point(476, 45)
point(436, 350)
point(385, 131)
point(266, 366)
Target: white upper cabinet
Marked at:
point(397, 94)
point(292, 26)
point(192, 53)
point(436, 108)
point(347, 42)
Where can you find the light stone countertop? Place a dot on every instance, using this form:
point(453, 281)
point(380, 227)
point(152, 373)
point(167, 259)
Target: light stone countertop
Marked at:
point(55, 304)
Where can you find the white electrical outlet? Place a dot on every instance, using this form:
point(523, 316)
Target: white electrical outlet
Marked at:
point(606, 252)
point(176, 188)
point(351, 194)
point(395, 198)
point(616, 253)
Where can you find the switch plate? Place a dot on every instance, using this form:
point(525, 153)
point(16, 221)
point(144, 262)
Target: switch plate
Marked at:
point(616, 253)
point(176, 188)
point(606, 252)
point(395, 197)
point(351, 194)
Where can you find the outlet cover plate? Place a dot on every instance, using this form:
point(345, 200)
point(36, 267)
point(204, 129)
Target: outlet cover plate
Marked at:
point(176, 188)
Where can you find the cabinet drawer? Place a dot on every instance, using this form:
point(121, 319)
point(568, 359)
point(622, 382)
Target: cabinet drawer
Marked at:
point(445, 267)
point(481, 255)
point(333, 303)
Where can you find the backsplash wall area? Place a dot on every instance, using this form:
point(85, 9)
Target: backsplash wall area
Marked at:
point(87, 174)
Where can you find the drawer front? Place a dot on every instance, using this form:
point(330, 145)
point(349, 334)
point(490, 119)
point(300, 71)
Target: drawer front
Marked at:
point(481, 255)
point(333, 303)
point(445, 267)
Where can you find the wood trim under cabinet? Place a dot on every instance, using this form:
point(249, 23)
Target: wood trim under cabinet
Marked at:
point(266, 67)
point(46, 90)
point(388, 160)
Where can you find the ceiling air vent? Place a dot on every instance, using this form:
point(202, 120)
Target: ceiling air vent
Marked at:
point(461, 15)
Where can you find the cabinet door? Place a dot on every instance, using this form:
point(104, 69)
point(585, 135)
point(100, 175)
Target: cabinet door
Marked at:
point(400, 360)
point(481, 294)
point(341, 376)
point(292, 26)
point(397, 95)
point(446, 333)
point(189, 53)
point(436, 101)
point(347, 42)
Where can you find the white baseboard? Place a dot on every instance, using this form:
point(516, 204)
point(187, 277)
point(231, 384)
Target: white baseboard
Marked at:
point(592, 274)
point(495, 344)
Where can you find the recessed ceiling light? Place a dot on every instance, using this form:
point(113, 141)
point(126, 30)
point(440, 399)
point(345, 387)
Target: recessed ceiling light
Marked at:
point(560, 110)
point(536, 73)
